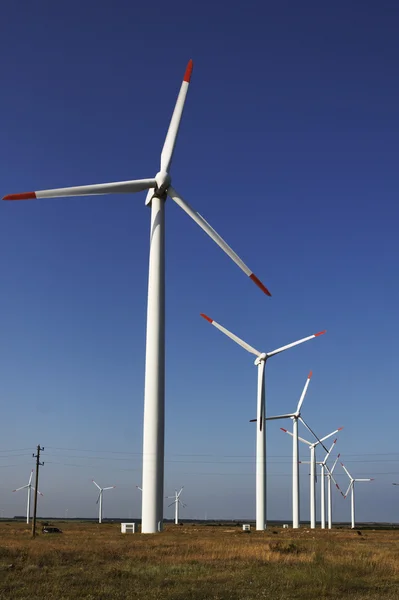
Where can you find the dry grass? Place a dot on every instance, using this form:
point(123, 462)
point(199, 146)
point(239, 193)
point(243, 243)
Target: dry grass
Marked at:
point(90, 562)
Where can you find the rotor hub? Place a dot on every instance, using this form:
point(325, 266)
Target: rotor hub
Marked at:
point(163, 180)
point(261, 358)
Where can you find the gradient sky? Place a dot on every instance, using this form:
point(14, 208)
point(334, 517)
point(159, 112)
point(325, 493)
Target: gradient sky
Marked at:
point(289, 147)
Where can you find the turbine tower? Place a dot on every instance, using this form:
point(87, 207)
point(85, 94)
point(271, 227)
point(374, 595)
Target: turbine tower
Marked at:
point(295, 453)
point(351, 487)
point(260, 362)
point(100, 499)
point(159, 187)
point(313, 476)
point(177, 502)
point(28, 487)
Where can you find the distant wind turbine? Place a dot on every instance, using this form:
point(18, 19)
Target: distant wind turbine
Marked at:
point(28, 487)
point(177, 502)
point(100, 499)
point(260, 362)
point(313, 476)
point(351, 487)
point(295, 453)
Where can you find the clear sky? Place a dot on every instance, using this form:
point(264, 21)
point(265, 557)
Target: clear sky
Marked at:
point(289, 147)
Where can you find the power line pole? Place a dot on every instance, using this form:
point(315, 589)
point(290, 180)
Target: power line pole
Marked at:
point(38, 464)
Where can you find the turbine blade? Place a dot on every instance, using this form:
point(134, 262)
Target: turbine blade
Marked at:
point(120, 187)
point(96, 484)
point(290, 416)
point(313, 433)
point(278, 350)
point(346, 471)
point(216, 237)
point(330, 434)
point(178, 495)
point(21, 488)
point(110, 488)
point(236, 339)
point(347, 491)
point(332, 477)
point(363, 480)
point(98, 498)
point(299, 438)
point(334, 465)
point(302, 398)
point(30, 478)
point(171, 504)
point(329, 452)
point(171, 136)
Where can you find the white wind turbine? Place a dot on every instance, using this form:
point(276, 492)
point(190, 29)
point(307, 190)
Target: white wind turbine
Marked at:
point(351, 487)
point(154, 395)
point(329, 494)
point(100, 499)
point(324, 471)
point(313, 476)
point(28, 487)
point(176, 502)
point(295, 453)
point(260, 362)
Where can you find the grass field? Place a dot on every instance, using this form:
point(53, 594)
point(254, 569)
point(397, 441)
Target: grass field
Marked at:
point(192, 562)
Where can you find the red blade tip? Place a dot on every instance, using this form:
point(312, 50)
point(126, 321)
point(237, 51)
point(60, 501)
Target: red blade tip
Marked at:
point(189, 70)
point(320, 333)
point(310, 375)
point(259, 284)
point(340, 428)
point(206, 318)
point(282, 429)
point(25, 196)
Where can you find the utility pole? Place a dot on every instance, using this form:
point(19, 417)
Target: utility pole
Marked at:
point(38, 464)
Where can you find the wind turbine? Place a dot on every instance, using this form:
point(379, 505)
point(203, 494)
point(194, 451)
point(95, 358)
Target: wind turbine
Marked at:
point(329, 495)
point(260, 362)
point(295, 453)
point(313, 477)
point(154, 395)
point(29, 487)
point(176, 502)
point(324, 470)
point(351, 487)
point(100, 499)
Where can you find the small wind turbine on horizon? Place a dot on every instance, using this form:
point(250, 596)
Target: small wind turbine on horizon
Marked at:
point(351, 487)
point(177, 502)
point(260, 362)
point(159, 188)
point(295, 453)
point(100, 499)
point(29, 487)
point(313, 476)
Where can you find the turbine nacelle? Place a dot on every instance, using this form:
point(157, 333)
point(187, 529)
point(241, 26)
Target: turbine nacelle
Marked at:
point(261, 358)
point(163, 180)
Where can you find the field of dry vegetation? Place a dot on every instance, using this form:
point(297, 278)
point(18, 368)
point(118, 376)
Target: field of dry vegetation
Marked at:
point(192, 562)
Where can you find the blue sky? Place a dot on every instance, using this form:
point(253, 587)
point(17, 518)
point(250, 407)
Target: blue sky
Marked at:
point(289, 147)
